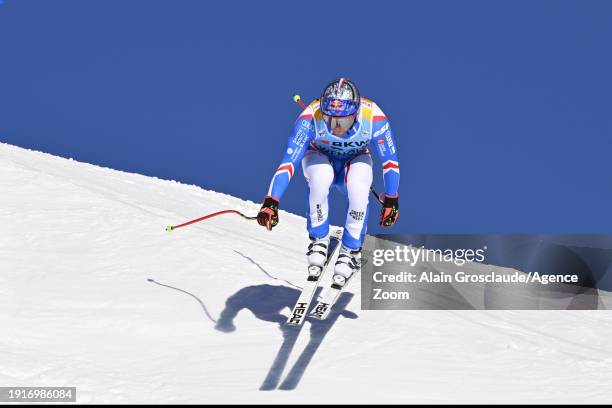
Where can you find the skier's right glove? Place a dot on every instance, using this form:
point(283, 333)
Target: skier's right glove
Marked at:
point(268, 213)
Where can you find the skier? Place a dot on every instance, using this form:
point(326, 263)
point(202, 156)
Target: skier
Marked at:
point(331, 138)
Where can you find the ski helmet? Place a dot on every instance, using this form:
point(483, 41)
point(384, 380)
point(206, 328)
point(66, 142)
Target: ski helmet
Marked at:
point(340, 98)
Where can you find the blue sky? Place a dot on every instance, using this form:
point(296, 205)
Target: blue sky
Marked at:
point(500, 109)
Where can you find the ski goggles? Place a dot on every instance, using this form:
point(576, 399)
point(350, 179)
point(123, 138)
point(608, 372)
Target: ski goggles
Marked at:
point(344, 122)
point(338, 107)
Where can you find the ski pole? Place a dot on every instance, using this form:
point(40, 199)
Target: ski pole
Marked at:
point(298, 99)
point(376, 195)
point(170, 228)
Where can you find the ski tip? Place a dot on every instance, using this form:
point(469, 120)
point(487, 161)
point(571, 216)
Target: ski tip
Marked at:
point(169, 228)
point(294, 323)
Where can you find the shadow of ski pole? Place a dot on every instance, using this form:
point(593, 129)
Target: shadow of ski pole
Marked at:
point(266, 272)
point(187, 293)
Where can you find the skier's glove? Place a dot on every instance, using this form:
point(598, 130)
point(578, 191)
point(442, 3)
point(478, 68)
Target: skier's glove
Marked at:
point(390, 210)
point(268, 213)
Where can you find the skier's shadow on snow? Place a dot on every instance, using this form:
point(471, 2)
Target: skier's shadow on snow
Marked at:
point(267, 302)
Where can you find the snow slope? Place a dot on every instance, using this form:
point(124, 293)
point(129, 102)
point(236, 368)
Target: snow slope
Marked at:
point(95, 294)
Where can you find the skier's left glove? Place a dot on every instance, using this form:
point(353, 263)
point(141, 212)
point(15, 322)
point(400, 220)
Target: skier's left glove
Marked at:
point(390, 210)
point(268, 213)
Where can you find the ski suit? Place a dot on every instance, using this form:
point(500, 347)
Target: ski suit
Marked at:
point(341, 161)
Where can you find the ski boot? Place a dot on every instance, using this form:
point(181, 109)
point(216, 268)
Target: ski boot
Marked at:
point(317, 256)
point(349, 262)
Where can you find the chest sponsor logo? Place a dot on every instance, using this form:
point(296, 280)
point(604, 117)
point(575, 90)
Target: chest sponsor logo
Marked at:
point(357, 143)
point(340, 152)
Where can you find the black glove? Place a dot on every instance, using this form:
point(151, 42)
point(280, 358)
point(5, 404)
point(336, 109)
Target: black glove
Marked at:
point(390, 210)
point(268, 213)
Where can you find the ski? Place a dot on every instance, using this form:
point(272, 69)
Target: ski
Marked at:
point(329, 297)
point(315, 273)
